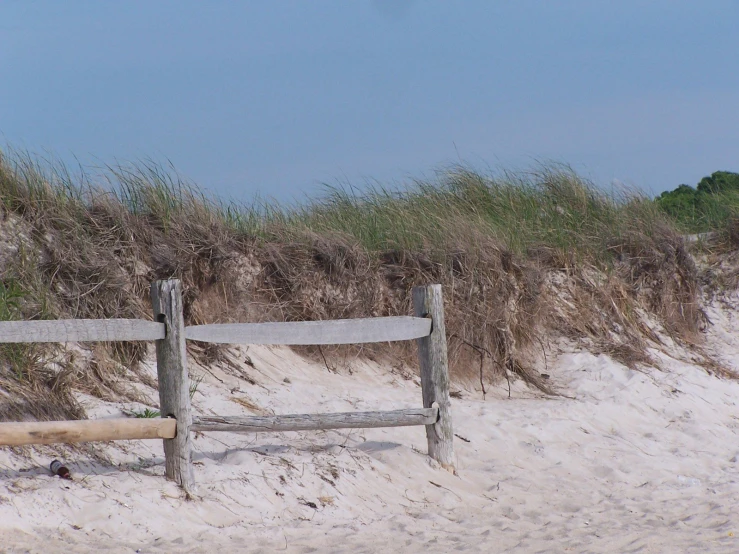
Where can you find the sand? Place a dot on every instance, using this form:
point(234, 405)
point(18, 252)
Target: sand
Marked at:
point(634, 461)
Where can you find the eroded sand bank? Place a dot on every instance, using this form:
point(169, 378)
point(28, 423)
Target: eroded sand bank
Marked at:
point(634, 462)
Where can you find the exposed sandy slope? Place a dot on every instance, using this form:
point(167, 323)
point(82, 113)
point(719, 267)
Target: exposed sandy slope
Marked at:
point(637, 462)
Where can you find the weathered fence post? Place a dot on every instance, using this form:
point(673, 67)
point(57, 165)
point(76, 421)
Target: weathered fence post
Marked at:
point(432, 353)
point(174, 384)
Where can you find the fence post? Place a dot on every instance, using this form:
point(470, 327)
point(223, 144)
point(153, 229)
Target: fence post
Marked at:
point(432, 354)
point(174, 384)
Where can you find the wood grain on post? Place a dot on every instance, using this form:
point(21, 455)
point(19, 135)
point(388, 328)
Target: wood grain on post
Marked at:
point(314, 422)
point(51, 432)
point(174, 384)
point(432, 354)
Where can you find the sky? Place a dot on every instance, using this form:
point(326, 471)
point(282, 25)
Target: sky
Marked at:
point(276, 98)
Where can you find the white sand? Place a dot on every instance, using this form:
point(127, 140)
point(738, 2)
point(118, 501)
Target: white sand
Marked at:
point(636, 462)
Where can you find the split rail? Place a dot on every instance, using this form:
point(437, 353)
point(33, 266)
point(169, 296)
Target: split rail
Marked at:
point(177, 423)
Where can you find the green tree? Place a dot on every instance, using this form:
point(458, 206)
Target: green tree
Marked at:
point(680, 203)
point(708, 206)
point(719, 182)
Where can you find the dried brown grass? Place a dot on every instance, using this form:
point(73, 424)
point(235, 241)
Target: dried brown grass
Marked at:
point(519, 263)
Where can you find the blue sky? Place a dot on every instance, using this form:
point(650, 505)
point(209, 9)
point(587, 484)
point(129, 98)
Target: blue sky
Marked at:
point(276, 97)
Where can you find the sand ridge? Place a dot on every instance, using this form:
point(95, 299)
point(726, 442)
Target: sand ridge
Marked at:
point(636, 461)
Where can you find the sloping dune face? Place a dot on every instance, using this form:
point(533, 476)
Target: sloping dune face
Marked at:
point(627, 461)
point(522, 258)
point(592, 363)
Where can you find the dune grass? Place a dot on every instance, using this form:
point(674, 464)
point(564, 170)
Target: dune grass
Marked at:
point(88, 245)
point(549, 206)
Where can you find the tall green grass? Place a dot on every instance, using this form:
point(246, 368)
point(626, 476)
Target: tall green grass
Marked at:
point(549, 206)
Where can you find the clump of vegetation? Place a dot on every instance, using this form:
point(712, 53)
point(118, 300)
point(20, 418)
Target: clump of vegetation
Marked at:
point(708, 207)
point(520, 256)
point(147, 413)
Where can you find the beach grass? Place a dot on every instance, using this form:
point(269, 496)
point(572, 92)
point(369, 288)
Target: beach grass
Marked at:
point(88, 243)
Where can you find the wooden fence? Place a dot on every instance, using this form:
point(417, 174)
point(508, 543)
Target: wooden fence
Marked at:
point(176, 423)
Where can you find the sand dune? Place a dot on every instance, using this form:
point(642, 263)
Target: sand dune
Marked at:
point(633, 462)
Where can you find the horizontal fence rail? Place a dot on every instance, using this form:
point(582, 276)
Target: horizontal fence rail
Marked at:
point(316, 422)
point(80, 330)
point(338, 331)
point(51, 432)
point(176, 427)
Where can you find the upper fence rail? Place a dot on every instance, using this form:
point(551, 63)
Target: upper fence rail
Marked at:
point(340, 331)
point(80, 330)
point(337, 331)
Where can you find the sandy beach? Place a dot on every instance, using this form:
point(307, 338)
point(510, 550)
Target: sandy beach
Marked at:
point(624, 461)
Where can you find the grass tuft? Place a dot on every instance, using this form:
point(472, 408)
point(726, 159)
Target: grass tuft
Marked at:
point(147, 413)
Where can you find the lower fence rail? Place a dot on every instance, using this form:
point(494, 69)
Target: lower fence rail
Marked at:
point(86, 430)
point(51, 432)
point(316, 422)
